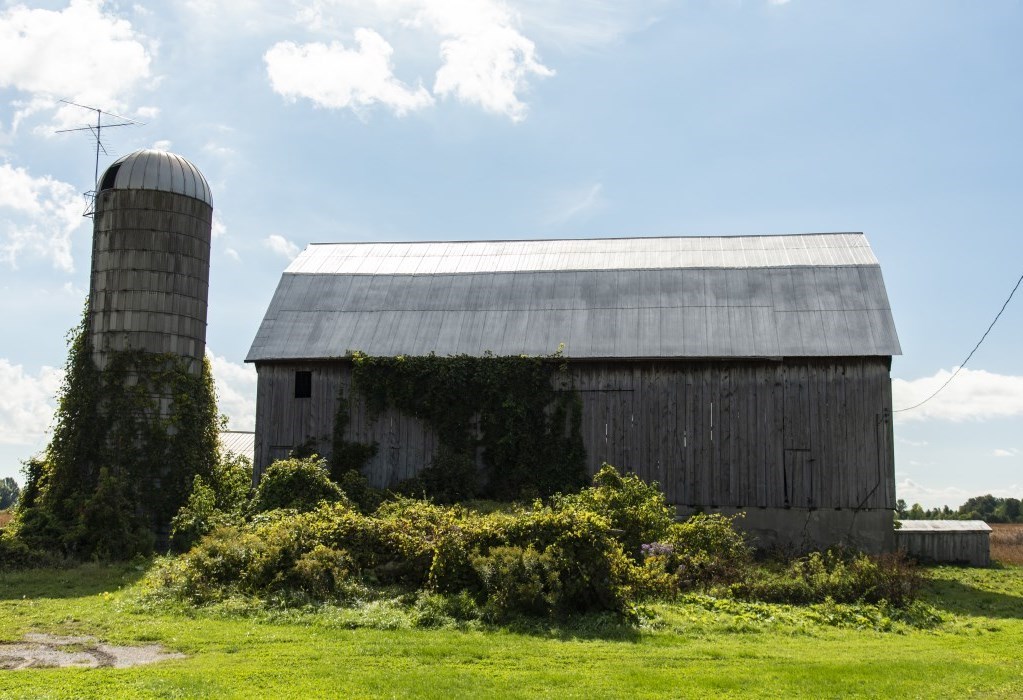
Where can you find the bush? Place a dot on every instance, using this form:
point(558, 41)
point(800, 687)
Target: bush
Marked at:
point(632, 506)
point(840, 576)
point(517, 580)
point(299, 484)
point(199, 516)
point(356, 486)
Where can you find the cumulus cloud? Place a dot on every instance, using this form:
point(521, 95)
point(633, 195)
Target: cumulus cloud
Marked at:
point(335, 77)
point(236, 391)
point(1011, 452)
point(281, 246)
point(81, 52)
point(26, 403)
point(485, 59)
point(972, 395)
point(39, 216)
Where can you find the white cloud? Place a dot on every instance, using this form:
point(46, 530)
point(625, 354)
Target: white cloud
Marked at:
point(911, 443)
point(335, 77)
point(486, 59)
point(281, 246)
point(972, 395)
point(26, 403)
point(39, 215)
point(219, 228)
point(1011, 452)
point(236, 391)
point(233, 254)
point(778, 2)
point(81, 52)
point(161, 145)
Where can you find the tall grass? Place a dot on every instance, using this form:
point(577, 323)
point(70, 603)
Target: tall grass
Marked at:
point(1007, 542)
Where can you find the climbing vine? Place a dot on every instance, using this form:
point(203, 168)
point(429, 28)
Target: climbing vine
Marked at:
point(127, 442)
point(519, 414)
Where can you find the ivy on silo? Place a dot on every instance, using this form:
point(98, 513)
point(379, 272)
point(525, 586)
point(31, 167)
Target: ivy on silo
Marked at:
point(117, 468)
point(519, 413)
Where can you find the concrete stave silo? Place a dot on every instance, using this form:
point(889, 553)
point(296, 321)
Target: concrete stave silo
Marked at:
point(149, 285)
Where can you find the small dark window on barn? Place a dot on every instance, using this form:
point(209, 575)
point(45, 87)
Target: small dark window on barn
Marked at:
point(303, 385)
point(109, 177)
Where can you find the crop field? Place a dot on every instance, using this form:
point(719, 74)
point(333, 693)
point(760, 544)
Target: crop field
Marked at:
point(962, 639)
point(1007, 543)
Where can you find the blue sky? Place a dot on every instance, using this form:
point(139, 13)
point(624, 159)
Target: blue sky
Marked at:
point(349, 120)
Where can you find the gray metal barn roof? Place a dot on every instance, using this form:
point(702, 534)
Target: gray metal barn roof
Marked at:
point(750, 296)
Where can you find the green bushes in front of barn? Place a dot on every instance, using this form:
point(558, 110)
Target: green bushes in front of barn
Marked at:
point(610, 547)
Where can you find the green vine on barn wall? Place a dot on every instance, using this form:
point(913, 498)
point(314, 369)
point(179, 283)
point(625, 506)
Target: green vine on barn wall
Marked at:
point(519, 414)
point(127, 443)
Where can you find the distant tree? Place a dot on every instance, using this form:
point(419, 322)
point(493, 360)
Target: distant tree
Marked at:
point(916, 512)
point(9, 492)
point(900, 508)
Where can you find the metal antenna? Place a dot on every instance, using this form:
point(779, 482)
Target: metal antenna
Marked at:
point(97, 133)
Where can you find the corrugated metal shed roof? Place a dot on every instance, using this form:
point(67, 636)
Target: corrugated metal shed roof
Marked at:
point(755, 296)
point(238, 442)
point(938, 526)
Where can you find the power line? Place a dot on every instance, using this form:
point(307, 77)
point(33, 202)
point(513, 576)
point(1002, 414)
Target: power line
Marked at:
point(963, 363)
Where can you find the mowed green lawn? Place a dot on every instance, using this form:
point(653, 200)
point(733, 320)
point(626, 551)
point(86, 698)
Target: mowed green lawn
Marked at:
point(693, 649)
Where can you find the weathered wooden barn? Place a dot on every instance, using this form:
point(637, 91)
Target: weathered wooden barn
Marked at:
point(742, 373)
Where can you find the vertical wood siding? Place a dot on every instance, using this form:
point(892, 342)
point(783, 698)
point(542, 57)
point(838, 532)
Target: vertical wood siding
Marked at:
point(799, 433)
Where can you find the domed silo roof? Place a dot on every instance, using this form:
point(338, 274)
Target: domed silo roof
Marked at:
point(156, 170)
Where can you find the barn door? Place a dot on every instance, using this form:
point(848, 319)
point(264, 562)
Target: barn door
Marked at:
point(798, 472)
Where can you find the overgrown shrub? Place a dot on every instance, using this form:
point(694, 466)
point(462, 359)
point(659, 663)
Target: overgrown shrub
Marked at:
point(638, 509)
point(563, 557)
point(519, 581)
point(844, 577)
point(199, 516)
point(220, 501)
point(299, 484)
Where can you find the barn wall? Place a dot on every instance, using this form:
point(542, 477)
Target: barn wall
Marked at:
point(797, 436)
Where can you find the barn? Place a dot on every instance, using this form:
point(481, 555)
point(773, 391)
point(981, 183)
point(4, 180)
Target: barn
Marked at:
point(747, 373)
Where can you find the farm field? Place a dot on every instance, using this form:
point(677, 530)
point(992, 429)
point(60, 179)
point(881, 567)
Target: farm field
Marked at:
point(1007, 542)
point(964, 642)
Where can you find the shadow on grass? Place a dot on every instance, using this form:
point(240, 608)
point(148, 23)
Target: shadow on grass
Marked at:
point(606, 627)
point(71, 582)
point(964, 599)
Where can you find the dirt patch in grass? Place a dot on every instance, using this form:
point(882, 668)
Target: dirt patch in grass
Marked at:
point(1007, 542)
point(52, 651)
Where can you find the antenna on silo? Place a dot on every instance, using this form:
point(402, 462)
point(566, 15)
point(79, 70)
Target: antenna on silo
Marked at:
point(97, 133)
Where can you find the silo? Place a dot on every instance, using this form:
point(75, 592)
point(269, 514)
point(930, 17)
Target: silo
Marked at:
point(147, 328)
point(150, 258)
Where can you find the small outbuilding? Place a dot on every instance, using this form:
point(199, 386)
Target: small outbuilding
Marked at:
point(946, 541)
point(746, 373)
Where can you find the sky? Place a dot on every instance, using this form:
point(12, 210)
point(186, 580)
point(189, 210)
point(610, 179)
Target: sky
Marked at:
point(380, 120)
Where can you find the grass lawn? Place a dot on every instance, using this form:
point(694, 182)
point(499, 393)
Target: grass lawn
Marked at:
point(699, 647)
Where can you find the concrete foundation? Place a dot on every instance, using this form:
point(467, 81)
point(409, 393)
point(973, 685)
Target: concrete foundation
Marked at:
point(803, 529)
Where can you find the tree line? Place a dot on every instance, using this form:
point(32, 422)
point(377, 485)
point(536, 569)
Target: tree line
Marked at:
point(988, 508)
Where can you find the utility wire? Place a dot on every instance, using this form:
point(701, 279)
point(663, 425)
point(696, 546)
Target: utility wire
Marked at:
point(963, 363)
